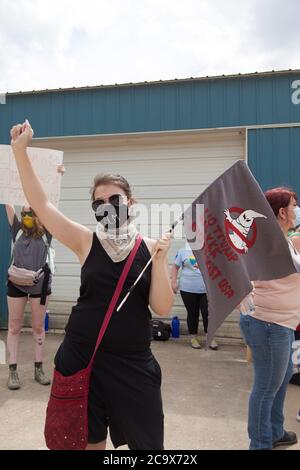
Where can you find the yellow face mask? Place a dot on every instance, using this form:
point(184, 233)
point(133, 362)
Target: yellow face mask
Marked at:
point(28, 221)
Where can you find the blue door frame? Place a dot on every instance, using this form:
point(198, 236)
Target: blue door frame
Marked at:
point(5, 248)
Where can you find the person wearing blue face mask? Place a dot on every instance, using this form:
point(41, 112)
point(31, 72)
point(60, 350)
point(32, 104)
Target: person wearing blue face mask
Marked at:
point(268, 327)
point(297, 221)
point(294, 235)
point(295, 231)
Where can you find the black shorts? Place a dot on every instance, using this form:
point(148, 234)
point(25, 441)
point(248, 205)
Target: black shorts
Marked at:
point(13, 291)
point(124, 395)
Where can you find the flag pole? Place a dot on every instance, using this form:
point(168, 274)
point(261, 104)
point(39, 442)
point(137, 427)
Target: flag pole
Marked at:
point(148, 263)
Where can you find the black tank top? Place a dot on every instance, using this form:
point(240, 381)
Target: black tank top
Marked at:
point(128, 329)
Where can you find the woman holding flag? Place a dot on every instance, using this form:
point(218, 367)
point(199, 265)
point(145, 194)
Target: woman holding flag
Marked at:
point(124, 392)
point(295, 237)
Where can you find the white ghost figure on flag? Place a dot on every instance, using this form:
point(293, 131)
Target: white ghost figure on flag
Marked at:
point(240, 228)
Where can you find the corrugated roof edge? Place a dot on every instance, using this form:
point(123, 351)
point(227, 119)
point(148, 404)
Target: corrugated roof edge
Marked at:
point(157, 82)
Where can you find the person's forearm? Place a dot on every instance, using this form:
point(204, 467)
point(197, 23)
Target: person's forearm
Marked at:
point(32, 187)
point(174, 273)
point(161, 294)
point(10, 212)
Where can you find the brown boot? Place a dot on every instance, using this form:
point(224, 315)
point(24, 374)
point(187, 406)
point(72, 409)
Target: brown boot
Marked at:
point(13, 382)
point(39, 374)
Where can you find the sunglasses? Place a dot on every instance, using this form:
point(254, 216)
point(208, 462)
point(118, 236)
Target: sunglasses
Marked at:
point(27, 213)
point(115, 200)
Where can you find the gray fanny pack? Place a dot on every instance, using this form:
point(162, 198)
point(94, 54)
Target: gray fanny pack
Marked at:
point(24, 277)
point(27, 277)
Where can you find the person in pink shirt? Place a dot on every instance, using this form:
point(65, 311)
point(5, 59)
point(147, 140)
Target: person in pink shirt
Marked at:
point(295, 237)
point(268, 327)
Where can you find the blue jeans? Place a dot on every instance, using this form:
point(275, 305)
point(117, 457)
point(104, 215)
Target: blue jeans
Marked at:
point(271, 346)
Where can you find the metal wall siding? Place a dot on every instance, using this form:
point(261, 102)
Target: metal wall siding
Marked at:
point(125, 107)
point(199, 95)
point(4, 260)
point(98, 119)
point(248, 102)
point(140, 103)
point(154, 107)
point(282, 107)
point(184, 109)
point(216, 116)
point(5, 239)
point(273, 156)
point(265, 101)
point(159, 107)
point(232, 102)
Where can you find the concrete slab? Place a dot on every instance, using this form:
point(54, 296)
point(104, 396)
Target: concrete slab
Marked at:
point(205, 397)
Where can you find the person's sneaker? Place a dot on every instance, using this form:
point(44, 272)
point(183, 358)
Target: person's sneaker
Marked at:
point(13, 382)
point(295, 380)
point(39, 375)
point(195, 343)
point(288, 439)
point(213, 345)
point(298, 416)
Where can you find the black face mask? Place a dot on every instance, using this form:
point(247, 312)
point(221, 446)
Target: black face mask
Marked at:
point(112, 217)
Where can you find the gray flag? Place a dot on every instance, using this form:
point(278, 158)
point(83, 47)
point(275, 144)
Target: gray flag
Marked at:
point(242, 241)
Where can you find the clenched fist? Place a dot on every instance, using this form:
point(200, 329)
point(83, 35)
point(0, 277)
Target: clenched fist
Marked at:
point(21, 136)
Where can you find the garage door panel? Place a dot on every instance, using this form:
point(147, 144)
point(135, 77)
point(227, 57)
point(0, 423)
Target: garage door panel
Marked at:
point(173, 154)
point(224, 144)
point(66, 288)
point(67, 269)
point(152, 154)
point(142, 191)
point(189, 173)
point(63, 254)
point(81, 211)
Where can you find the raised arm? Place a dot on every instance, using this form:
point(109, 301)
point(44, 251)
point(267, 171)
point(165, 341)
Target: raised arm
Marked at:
point(10, 212)
point(174, 273)
point(71, 234)
point(296, 242)
point(161, 296)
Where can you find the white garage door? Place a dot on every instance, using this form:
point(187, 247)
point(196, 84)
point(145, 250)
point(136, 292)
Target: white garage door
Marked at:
point(162, 168)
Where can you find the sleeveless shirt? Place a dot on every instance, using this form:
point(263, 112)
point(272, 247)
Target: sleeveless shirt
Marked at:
point(129, 329)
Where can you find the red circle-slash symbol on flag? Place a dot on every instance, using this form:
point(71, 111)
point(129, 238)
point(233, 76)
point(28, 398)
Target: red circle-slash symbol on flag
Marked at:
point(241, 228)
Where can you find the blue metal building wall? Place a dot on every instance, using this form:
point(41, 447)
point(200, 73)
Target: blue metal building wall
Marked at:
point(5, 247)
point(5, 244)
point(274, 157)
point(175, 105)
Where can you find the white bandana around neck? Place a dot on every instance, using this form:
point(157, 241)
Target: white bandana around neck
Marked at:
point(117, 243)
